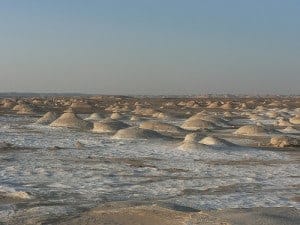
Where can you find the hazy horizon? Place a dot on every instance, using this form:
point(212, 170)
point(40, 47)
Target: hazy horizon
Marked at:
point(140, 47)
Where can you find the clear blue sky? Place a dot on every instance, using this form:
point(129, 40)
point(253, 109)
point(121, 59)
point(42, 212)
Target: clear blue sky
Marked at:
point(150, 46)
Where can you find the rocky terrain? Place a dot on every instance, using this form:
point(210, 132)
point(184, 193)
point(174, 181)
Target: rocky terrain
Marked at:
point(65, 156)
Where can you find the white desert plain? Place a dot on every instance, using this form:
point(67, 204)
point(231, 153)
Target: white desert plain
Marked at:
point(125, 160)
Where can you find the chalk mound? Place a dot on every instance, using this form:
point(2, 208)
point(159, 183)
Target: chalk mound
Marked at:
point(160, 115)
point(164, 128)
point(11, 194)
point(227, 106)
point(251, 130)
point(215, 119)
point(23, 109)
point(295, 120)
point(135, 118)
point(228, 114)
point(284, 141)
point(136, 133)
point(95, 117)
point(282, 123)
point(109, 126)
point(18, 195)
point(81, 107)
point(290, 130)
point(193, 138)
point(214, 141)
point(144, 111)
point(256, 117)
point(272, 114)
point(122, 214)
point(8, 104)
point(213, 105)
point(191, 141)
point(190, 146)
point(210, 118)
point(195, 124)
point(48, 118)
point(116, 116)
point(71, 120)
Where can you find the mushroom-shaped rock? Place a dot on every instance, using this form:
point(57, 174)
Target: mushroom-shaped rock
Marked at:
point(214, 141)
point(48, 118)
point(136, 133)
point(71, 120)
point(284, 141)
point(161, 127)
point(109, 126)
point(250, 130)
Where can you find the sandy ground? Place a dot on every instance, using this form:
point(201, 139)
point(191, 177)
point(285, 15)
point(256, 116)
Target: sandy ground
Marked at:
point(156, 215)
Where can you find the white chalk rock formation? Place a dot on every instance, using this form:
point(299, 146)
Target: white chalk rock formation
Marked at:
point(161, 127)
point(194, 124)
point(71, 120)
point(48, 118)
point(284, 141)
point(251, 130)
point(95, 117)
point(295, 120)
point(216, 142)
point(136, 133)
point(109, 126)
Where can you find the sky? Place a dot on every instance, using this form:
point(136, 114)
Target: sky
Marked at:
point(150, 46)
